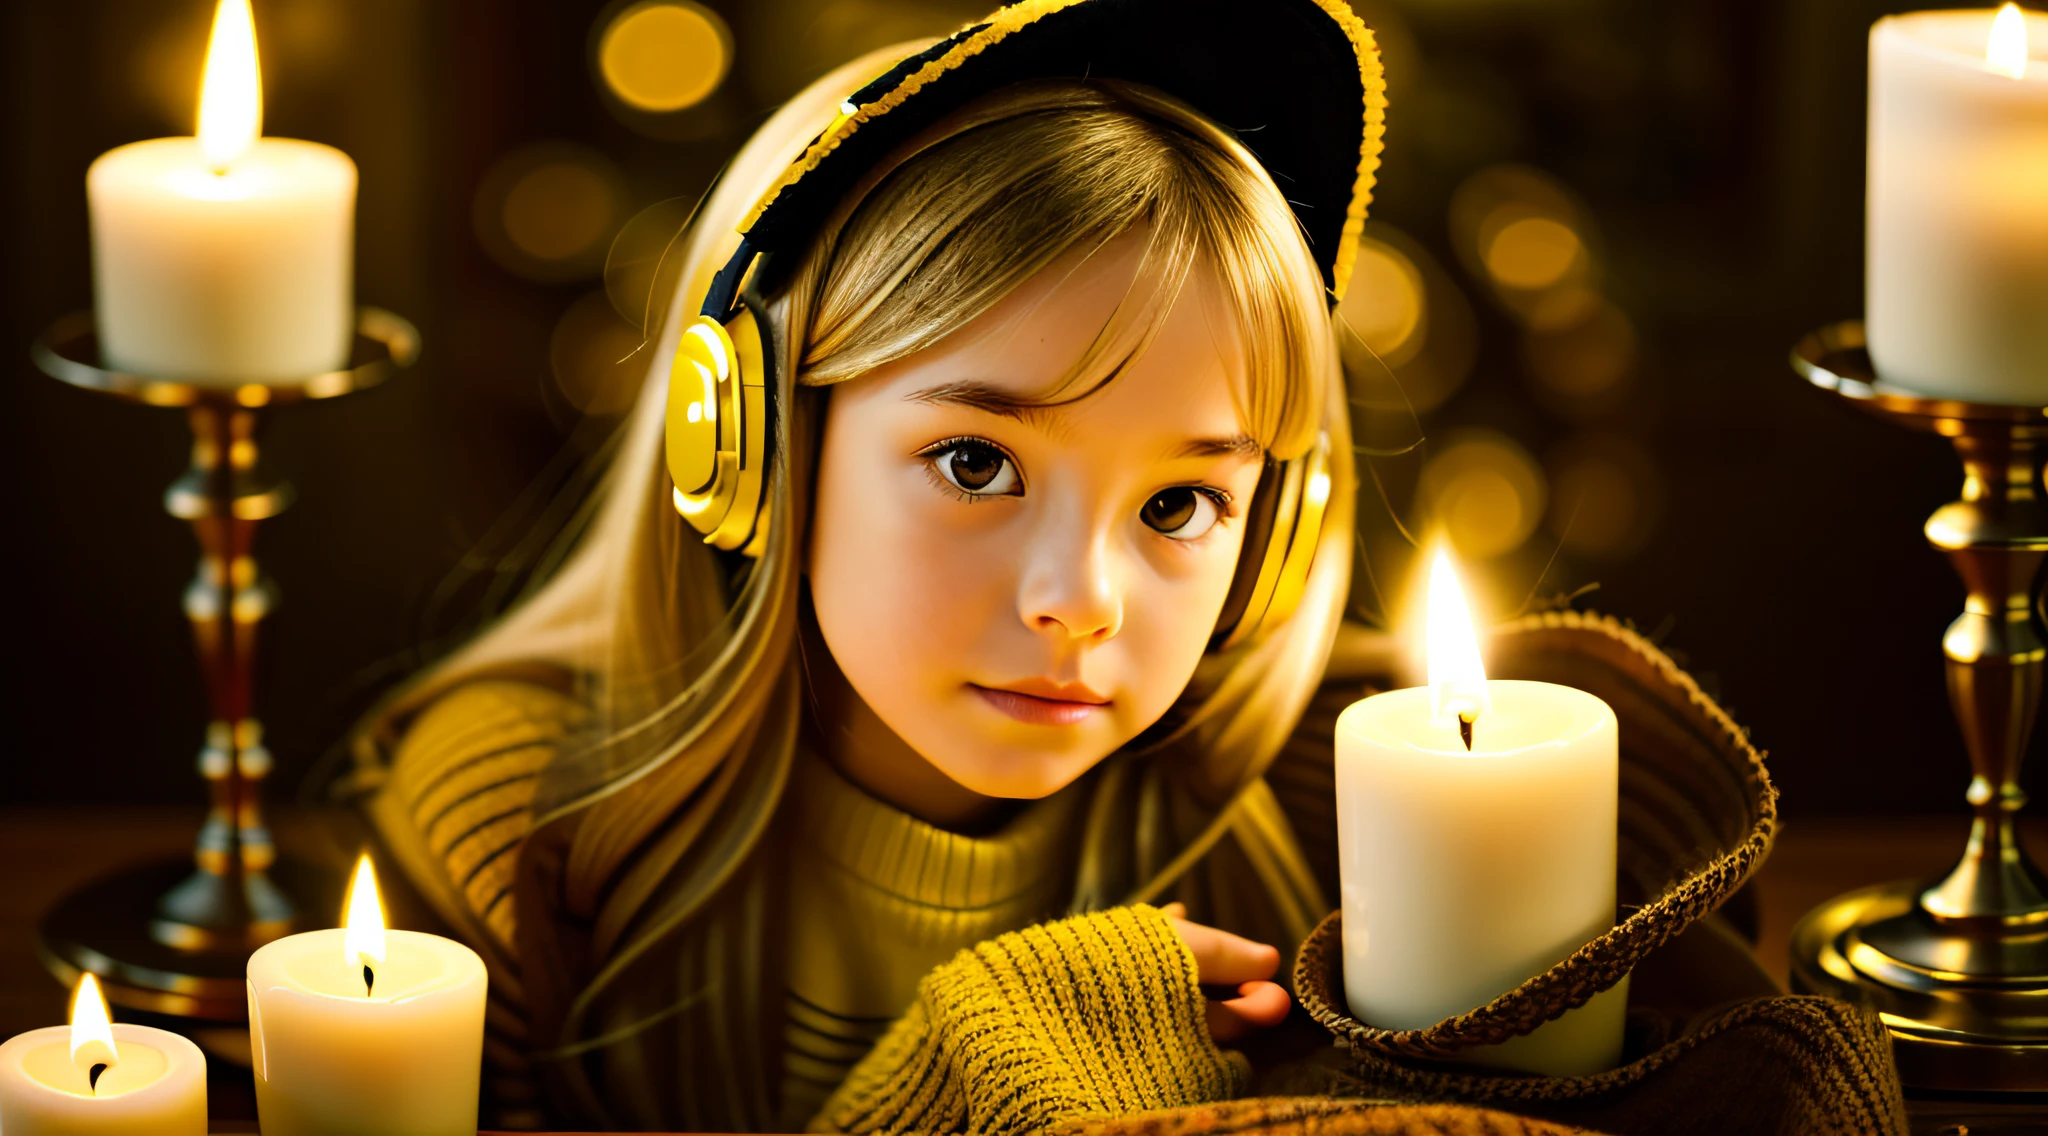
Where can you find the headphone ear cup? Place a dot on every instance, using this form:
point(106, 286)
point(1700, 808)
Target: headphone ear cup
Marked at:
point(1251, 557)
point(753, 333)
point(1306, 537)
point(1268, 588)
point(718, 424)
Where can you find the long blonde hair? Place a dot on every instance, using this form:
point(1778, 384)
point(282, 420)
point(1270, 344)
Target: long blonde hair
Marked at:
point(684, 654)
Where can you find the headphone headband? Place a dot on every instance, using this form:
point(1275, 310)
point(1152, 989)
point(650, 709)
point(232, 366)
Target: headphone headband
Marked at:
point(722, 299)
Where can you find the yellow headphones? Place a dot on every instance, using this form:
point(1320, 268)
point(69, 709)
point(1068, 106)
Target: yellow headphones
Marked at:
point(718, 414)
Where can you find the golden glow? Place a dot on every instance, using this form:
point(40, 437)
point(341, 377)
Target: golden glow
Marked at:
point(1485, 492)
point(1585, 360)
point(1606, 496)
point(362, 937)
point(1405, 334)
point(92, 1033)
point(664, 56)
point(231, 93)
point(1562, 308)
point(598, 358)
point(1457, 678)
point(1526, 234)
point(1532, 253)
point(1386, 304)
point(2006, 51)
point(559, 210)
point(548, 210)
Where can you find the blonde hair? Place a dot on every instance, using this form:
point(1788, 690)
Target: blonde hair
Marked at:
point(685, 654)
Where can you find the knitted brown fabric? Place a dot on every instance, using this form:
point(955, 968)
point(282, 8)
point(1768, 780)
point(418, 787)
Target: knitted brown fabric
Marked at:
point(1698, 815)
point(1302, 1116)
point(1789, 1065)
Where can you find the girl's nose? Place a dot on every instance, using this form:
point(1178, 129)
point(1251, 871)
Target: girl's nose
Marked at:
point(1069, 587)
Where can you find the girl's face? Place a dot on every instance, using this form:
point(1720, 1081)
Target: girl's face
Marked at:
point(1016, 591)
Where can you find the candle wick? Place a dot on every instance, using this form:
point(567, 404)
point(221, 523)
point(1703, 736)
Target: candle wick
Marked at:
point(369, 980)
point(1465, 729)
point(92, 1077)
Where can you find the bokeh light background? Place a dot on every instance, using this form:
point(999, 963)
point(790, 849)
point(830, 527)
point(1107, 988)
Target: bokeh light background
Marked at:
point(1600, 226)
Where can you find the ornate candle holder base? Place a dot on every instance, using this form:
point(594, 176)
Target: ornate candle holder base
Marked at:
point(1976, 1030)
point(173, 937)
point(1957, 968)
point(116, 928)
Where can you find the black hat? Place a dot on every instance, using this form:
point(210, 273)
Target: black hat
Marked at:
point(1298, 82)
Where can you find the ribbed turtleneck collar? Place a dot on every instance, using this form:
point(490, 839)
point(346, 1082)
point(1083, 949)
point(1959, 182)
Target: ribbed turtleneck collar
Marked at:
point(919, 862)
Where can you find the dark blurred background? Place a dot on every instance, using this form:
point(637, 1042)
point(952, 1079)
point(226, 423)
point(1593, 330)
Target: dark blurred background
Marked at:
point(1600, 226)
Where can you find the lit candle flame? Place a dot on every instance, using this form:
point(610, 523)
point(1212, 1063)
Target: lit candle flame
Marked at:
point(231, 94)
point(1457, 678)
point(362, 936)
point(92, 1033)
point(2006, 53)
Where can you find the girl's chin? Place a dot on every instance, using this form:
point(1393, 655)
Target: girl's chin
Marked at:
point(1013, 784)
point(1001, 764)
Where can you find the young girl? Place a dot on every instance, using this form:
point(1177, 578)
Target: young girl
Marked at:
point(1009, 613)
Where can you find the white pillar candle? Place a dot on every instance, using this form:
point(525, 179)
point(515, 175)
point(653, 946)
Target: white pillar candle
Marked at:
point(1957, 257)
point(335, 1055)
point(225, 258)
point(1467, 871)
point(150, 1081)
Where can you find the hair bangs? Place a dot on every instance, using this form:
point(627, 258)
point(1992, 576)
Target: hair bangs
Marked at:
point(1021, 180)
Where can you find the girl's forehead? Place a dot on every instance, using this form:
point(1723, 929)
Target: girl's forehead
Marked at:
point(1093, 319)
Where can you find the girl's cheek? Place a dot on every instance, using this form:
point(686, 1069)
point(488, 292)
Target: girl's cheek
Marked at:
point(1194, 563)
point(944, 552)
point(939, 515)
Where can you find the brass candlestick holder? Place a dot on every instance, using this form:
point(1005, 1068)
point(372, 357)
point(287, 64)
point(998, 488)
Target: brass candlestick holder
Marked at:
point(172, 937)
point(1958, 968)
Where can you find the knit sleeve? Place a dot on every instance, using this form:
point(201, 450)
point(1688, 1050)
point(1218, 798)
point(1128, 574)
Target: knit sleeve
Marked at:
point(1097, 1015)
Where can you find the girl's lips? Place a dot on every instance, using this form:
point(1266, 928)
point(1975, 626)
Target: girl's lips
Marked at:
point(1033, 710)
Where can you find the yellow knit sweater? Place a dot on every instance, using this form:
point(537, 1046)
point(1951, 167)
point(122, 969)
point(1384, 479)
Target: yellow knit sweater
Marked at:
point(1029, 1022)
point(1098, 1015)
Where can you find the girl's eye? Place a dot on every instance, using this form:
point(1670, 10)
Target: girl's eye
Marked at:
point(1181, 513)
point(976, 468)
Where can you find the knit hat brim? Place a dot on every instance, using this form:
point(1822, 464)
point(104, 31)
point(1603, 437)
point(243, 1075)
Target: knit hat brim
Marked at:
point(1298, 82)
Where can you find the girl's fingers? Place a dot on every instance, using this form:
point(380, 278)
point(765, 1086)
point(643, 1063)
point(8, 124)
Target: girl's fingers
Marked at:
point(1222, 958)
point(1259, 1005)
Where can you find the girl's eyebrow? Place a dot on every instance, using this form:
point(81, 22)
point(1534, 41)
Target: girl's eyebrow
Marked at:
point(985, 398)
point(1236, 445)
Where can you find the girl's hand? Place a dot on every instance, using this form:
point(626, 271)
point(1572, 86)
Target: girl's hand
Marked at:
point(1224, 959)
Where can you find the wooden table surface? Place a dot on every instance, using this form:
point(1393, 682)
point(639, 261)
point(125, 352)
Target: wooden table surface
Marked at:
point(47, 850)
